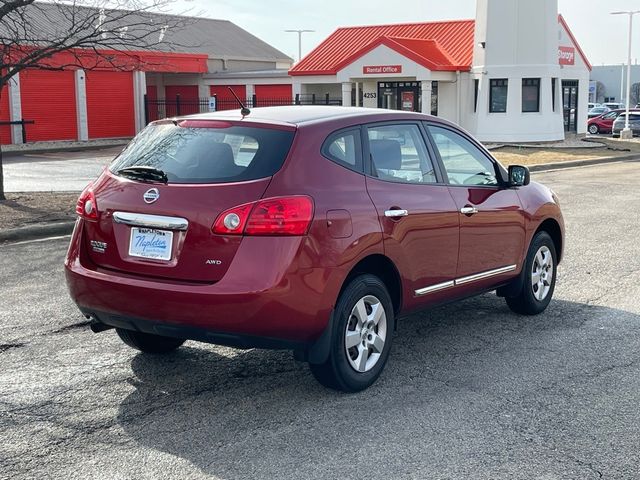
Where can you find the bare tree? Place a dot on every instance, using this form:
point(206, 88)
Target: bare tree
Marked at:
point(80, 34)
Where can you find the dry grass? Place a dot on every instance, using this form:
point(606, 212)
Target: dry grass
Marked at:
point(21, 209)
point(535, 156)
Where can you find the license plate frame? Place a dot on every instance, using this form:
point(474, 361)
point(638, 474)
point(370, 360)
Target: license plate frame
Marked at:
point(151, 243)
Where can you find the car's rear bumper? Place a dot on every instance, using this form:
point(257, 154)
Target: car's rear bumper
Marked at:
point(266, 293)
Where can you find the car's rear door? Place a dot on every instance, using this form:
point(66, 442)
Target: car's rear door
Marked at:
point(492, 227)
point(417, 214)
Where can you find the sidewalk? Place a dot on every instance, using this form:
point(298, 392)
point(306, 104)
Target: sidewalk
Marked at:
point(64, 146)
point(55, 171)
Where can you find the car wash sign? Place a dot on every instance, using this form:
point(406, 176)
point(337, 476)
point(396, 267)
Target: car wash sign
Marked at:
point(381, 69)
point(567, 55)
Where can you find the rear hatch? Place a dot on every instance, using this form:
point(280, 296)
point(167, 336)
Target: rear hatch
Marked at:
point(158, 200)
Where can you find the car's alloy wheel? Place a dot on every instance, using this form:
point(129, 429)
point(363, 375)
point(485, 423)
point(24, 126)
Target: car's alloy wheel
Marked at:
point(539, 277)
point(593, 129)
point(365, 334)
point(363, 323)
point(542, 273)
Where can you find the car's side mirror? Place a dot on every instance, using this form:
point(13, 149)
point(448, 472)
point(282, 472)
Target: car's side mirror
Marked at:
point(518, 176)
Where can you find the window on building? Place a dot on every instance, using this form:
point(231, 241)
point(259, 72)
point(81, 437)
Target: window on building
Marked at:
point(530, 94)
point(554, 81)
point(498, 95)
point(434, 99)
point(476, 86)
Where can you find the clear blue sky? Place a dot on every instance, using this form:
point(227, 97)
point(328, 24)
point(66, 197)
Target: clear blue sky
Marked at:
point(603, 37)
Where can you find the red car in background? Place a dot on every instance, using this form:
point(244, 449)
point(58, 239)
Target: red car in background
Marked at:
point(604, 123)
point(305, 228)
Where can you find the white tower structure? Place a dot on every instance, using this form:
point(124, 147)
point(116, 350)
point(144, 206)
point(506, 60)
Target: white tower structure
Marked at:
point(516, 72)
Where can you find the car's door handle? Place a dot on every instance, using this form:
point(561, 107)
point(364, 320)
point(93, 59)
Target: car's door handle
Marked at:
point(468, 210)
point(396, 213)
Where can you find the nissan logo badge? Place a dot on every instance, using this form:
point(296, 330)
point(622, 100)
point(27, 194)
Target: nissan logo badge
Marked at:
point(151, 195)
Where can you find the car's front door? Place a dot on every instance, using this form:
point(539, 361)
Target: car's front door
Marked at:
point(417, 214)
point(492, 229)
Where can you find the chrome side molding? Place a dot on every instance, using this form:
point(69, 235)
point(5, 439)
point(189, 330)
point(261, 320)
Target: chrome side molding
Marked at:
point(435, 288)
point(483, 275)
point(151, 221)
point(464, 280)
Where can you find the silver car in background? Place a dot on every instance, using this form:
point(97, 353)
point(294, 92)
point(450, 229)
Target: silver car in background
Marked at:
point(619, 123)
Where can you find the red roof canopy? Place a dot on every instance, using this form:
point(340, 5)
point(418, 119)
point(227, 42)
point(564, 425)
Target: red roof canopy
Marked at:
point(435, 45)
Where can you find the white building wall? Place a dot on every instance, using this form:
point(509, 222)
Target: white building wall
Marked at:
point(578, 71)
point(15, 108)
point(383, 55)
point(81, 105)
point(447, 101)
point(370, 94)
point(516, 39)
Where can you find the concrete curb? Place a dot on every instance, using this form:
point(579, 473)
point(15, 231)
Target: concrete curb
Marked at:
point(41, 230)
point(62, 148)
point(545, 167)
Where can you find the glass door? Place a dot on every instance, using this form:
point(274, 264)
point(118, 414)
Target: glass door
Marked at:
point(570, 105)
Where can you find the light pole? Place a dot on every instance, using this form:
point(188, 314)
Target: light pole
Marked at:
point(627, 133)
point(299, 32)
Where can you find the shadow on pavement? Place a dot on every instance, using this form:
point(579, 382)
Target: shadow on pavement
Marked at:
point(469, 388)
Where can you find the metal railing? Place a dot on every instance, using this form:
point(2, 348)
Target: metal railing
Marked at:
point(156, 109)
point(22, 123)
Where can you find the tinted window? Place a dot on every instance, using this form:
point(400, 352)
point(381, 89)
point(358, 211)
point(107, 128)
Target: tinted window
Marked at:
point(498, 95)
point(207, 155)
point(344, 148)
point(530, 94)
point(398, 153)
point(464, 163)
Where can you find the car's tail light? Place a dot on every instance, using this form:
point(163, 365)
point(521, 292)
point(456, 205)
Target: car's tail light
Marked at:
point(270, 216)
point(87, 207)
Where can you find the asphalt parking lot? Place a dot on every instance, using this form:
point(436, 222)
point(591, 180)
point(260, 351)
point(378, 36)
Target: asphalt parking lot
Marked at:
point(41, 172)
point(471, 390)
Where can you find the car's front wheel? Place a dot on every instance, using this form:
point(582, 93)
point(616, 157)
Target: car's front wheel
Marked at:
point(148, 343)
point(362, 333)
point(539, 277)
point(593, 129)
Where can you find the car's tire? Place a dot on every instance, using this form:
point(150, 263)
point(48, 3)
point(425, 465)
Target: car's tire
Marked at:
point(149, 343)
point(540, 273)
point(363, 327)
point(593, 129)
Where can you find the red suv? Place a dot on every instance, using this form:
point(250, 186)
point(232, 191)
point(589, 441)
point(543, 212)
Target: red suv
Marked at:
point(604, 123)
point(305, 228)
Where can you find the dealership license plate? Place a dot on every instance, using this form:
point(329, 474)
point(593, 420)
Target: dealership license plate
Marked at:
point(151, 243)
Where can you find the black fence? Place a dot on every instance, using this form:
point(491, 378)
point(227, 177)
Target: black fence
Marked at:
point(156, 109)
point(23, 124)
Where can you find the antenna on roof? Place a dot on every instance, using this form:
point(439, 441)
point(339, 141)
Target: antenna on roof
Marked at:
point(244, 111)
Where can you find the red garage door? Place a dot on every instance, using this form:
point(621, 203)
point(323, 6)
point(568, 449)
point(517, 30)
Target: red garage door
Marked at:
point(226, 100)
point(188, 103)
point(5, 131)
point(110, 104)
point(267, 95)
point(49, 98)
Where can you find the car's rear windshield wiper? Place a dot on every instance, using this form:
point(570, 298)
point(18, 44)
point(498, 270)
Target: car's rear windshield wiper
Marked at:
point(144, 173)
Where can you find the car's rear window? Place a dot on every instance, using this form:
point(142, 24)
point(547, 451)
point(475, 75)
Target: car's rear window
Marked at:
point(207, 155)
